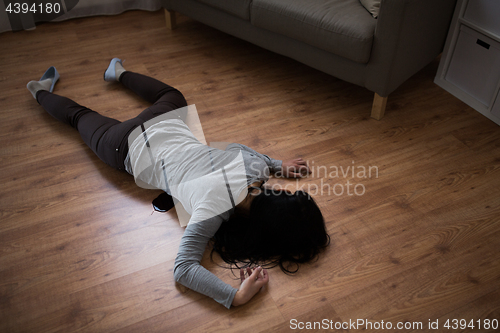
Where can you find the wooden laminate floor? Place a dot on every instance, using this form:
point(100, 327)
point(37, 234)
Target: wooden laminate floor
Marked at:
point(415, 241)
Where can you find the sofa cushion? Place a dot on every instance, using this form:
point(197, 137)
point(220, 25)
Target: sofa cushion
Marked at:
point(240, 8)
point(342, 27)
point(373, 6)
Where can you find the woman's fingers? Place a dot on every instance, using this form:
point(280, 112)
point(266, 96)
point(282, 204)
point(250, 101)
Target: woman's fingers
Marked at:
point(256, 279)
point(303, 165)
point(260, 276)
point(242, 275)
point(265, 276)
point(255, 274)
point(295, 168)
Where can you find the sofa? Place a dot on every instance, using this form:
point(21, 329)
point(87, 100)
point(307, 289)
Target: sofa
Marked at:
point(376, 44)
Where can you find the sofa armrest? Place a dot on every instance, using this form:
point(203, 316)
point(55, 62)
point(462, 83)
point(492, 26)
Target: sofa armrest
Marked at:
point(409, 35)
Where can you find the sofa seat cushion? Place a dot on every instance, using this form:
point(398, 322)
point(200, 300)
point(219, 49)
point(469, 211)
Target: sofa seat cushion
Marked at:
point(240, 8)
point(342, 27)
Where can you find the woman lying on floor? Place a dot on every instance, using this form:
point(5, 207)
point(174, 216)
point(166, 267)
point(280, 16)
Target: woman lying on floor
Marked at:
point(249, 224)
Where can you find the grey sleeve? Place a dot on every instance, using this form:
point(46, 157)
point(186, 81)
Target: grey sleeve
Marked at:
point(274, 165)
point(187, 268)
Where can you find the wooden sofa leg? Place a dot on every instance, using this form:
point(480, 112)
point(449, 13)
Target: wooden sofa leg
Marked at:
point(170, 19)
point(378, 107)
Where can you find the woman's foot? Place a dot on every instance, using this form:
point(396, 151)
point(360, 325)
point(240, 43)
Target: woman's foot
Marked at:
point(46, 82)
point(115, 69)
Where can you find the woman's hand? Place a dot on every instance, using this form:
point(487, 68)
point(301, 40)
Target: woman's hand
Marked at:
point(250, 285)
point(295, 168)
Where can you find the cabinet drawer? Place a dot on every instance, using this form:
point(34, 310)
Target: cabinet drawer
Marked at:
point(485, 14)
point(475, 65)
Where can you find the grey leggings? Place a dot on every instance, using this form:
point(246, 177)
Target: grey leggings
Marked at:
point(108, 137)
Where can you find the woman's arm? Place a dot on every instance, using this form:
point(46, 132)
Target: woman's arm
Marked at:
point(274, 165)
point(188, 270)
point(294, 168)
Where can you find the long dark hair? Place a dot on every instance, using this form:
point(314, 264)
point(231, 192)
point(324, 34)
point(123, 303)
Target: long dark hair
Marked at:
point(282, 229)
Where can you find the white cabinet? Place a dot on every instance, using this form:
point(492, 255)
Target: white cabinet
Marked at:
point(470, 64)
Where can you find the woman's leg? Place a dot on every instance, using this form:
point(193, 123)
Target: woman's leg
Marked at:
point(91, 125)
point(163, 97)
point(107, 137)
